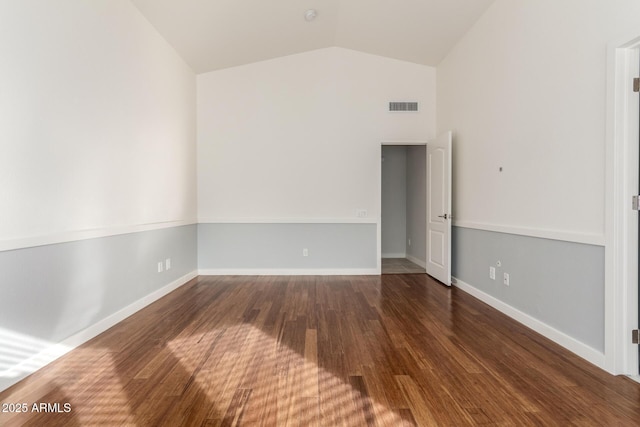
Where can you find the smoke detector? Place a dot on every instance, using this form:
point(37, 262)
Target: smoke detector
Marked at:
point(310, 15)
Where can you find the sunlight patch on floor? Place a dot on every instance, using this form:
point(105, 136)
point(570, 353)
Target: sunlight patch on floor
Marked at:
point(88, 373)
point(22, 354)
point(255, 371)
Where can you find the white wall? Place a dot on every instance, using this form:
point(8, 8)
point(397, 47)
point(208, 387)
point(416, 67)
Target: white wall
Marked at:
point(97, 121)
point(97, 138)
point(299, 137)
point(525, 90)
point(394, 201)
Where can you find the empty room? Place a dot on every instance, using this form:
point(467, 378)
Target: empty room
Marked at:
point(201, 201)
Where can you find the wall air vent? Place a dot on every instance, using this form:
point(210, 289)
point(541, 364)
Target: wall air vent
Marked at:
point(403, 106)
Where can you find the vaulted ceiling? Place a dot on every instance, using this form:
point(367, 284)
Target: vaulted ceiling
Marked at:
point(215, 34)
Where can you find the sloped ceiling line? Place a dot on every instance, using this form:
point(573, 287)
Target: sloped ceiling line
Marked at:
point(216, 34)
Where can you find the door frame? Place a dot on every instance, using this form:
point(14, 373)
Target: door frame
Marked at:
point(621, 223)
point(379, 218)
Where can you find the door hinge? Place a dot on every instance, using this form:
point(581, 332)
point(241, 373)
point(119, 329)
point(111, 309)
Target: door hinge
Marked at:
point(635, 203)
point(636, 84)
point(635, 336)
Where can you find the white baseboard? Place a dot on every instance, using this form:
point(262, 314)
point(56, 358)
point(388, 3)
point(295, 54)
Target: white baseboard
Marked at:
point(418, 261)
point(396, 255)
point(104, 324)
point(588, 353)
point(56, 350)
point(289, 272)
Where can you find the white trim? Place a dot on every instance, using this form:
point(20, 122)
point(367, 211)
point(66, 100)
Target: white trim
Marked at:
point(58, 350)
point(75, 235)
point(397, 255)
point(566, 236)
point(379, 245)
point(379, 203)
point(635, 378)
point(289, 272)
point(586, 352)
point(422, 263)
point(287, 221)
point(405, 142)
point(104, 324)
point(621, 223)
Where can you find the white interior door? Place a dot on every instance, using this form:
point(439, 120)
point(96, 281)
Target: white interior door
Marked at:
point(439, 208)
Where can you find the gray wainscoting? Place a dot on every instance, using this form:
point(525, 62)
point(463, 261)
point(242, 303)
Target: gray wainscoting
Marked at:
point(279, 246)
point(49, 293)
point(557, 282)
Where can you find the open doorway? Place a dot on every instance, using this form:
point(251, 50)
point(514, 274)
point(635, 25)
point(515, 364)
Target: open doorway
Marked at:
point(403, 209)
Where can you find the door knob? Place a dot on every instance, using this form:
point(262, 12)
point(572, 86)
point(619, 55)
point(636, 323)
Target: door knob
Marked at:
point(445, 216)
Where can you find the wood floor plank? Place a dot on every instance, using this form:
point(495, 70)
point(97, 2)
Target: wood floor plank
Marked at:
point(395, 350)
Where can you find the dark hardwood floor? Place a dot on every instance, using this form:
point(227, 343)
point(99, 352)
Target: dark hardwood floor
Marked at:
point(327, 351)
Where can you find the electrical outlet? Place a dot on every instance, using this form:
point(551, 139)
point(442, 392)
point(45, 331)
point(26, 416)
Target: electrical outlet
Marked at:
point(506, 279)
point(409, 242)
point(167, 263)
point(492, 273)
point(160, 267)
point(305, 252)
